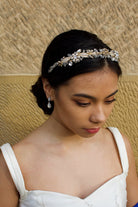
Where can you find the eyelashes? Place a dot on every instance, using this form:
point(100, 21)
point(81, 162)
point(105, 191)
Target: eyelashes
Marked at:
point(111, 101)
point(87, 104)
point(82, 104)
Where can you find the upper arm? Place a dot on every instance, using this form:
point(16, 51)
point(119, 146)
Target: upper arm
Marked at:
point(8, 193)
point(132, 179)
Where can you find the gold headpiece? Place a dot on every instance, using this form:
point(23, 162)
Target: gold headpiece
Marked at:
point(81, 54)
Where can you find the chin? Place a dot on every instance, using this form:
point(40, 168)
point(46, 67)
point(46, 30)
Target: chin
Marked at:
point(87, 136)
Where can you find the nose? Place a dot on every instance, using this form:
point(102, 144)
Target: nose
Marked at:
point(97, 114)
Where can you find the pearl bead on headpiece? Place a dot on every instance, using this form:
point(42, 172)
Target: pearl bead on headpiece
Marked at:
point(79, 55)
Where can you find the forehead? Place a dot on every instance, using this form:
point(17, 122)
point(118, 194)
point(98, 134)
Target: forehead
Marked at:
point(104, 79)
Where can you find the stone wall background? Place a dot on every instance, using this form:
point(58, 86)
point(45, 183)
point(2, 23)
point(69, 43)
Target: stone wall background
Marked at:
point(26, 29)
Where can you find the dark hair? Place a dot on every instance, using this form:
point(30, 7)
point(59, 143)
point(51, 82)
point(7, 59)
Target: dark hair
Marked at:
point(68, 43)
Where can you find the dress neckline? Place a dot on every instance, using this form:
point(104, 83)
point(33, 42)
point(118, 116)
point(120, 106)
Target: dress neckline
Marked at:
point(18, 179)
point(77, 197)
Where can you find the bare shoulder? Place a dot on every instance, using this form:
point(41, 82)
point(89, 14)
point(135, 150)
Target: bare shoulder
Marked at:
point(132, 179)
point(28, 147)
point(127, 144)
point(8, 193)
point(29, 151)
point(26, 152)
point(130, 153)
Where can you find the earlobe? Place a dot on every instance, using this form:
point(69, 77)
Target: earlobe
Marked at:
point(45, 85)
point(49, 91)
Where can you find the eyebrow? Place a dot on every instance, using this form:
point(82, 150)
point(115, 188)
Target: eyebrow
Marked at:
point(92, 97)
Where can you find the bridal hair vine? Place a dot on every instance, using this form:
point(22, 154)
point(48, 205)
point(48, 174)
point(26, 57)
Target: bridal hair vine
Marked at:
point(79, 55)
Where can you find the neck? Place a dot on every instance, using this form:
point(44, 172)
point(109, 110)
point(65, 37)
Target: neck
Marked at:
point(58, 133)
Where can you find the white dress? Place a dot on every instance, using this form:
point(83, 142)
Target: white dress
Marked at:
point(110, 194)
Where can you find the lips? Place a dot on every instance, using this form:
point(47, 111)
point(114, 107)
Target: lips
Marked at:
point(93, 130)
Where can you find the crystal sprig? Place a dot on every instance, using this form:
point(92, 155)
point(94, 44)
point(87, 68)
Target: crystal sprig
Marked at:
point(79, 55)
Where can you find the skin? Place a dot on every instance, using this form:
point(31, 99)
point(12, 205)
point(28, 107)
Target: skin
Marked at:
point(69, 151)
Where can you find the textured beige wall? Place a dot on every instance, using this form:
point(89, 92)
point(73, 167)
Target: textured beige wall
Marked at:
point(26, 28)
point(19, 114)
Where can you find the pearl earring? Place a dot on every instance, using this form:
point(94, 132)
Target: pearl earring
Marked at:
point(49, 104)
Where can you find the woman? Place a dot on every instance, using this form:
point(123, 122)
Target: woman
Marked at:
point(72, 160)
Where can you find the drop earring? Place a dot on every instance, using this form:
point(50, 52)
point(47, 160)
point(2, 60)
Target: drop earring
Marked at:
point(49, 104)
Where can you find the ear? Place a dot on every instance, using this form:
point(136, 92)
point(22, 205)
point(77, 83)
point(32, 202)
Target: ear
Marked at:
point(49, 91)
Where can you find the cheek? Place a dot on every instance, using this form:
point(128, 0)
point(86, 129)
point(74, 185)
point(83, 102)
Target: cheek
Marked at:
point(109, 109)
point(72, 112)
point(68, 111)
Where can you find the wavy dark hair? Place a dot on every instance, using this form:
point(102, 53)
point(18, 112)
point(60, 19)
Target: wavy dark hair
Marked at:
point(63, 44)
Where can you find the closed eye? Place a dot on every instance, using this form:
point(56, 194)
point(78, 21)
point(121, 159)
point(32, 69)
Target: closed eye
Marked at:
point(110, 101)
point(82, 104)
